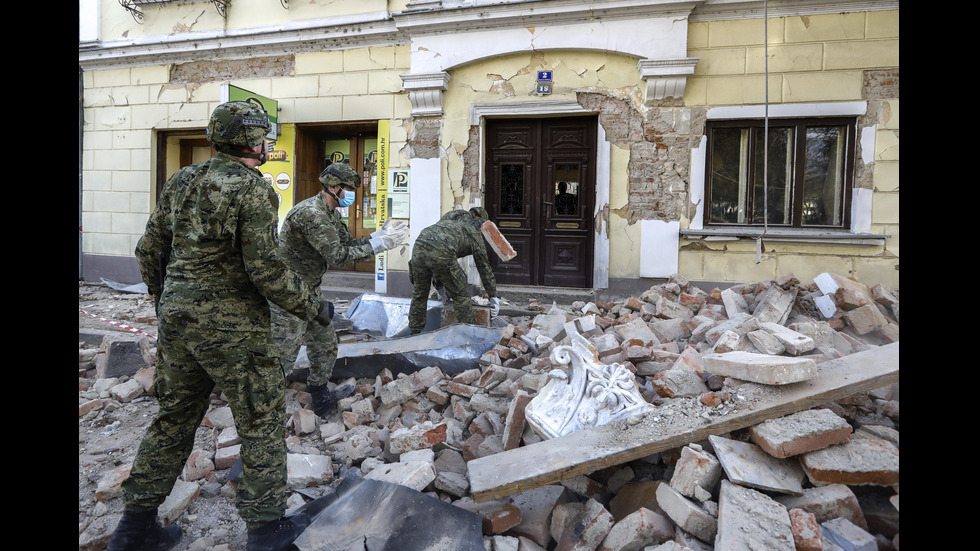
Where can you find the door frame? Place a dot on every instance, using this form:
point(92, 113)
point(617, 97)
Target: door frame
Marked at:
point(480, 112)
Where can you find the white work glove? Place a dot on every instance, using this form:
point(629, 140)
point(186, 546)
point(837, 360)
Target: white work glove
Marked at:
point(494, 306)
point(391, 226)
point(386, 241)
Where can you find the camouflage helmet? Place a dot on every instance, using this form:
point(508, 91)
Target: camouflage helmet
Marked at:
point(340, 174)
point(242, 124)
point(480, 213)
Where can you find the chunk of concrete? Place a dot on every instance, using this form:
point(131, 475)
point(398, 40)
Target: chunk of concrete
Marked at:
point(536, 505)
point(122, 354)
point(748, 520)
point(849, 536)
point(687, 514)
point(696, 473)
point(760, 368)
point(589, 528)
point(794, 342)
point(639, 529)
point(307, 469)
point(414, 474)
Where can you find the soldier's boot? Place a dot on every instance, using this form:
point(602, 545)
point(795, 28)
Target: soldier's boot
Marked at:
point(142, 532)
point(325, 401)
point(277, 535)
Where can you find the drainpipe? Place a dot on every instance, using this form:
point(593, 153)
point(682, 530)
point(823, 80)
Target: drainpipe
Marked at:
point(80, 120)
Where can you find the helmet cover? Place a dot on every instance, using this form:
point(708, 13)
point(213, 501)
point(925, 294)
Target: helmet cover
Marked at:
point(340, 174)
point(238, 123)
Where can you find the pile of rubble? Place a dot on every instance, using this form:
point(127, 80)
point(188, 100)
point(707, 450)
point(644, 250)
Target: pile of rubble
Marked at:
point(781, 484)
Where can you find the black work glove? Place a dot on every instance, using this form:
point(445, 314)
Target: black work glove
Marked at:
point(325, 314)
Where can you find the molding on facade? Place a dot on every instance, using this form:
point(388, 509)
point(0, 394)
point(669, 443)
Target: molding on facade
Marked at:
point(666, 77)
point(329, 34)
point(729, 10)
point(426, 17)
point(425, 92)
point(525, 109)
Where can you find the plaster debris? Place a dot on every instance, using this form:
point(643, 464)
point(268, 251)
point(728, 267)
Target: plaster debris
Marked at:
point(418, 427)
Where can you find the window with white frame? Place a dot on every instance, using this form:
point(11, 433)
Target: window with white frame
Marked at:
point(807, 183)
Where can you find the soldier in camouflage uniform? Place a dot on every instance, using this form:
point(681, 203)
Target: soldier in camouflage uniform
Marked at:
point(209, 253)
point(434, 260)
point(313, 238)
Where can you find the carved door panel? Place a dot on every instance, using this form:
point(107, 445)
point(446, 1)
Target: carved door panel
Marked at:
point(540, 193)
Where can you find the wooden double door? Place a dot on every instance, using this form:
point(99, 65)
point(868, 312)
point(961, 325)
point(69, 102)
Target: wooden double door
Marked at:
point(541, 194)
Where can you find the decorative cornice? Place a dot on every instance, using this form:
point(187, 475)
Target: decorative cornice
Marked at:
point(430, 17)
point(482, 15)
point(337, 33)
point(728, 10)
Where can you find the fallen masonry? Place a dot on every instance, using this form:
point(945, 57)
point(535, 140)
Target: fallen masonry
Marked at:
point(764, 415)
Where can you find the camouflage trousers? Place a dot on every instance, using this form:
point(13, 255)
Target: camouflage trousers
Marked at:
point(190, 361)
point(426, 267)
point(289, 333)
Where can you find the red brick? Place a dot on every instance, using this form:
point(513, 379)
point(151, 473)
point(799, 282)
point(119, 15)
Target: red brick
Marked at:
point(806, 530)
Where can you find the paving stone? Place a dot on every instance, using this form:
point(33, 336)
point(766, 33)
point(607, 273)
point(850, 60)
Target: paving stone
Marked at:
point(746, 464)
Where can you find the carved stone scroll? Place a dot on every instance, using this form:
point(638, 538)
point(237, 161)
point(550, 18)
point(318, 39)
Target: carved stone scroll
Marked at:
point(588, 394)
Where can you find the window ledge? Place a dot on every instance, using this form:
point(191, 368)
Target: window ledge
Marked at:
point(784, 235)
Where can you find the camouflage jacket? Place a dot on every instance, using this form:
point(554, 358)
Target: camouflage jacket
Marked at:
point(313, 238)
point(216, 222)
point(456, 236)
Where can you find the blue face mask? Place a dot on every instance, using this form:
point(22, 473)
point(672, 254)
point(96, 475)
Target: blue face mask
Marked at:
point(348, 199)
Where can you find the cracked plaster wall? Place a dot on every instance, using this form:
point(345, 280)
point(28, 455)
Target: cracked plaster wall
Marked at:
point(651, 183)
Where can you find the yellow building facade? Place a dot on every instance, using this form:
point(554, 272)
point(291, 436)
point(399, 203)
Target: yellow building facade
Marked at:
point(629, 104)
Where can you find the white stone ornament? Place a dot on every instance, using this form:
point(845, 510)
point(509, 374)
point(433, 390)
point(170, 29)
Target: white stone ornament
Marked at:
point(588, 394)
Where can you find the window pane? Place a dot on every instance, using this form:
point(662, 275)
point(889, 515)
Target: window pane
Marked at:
point(779, 178)
point(823, 176)
point(512, 189)
point(728, 176)
point(566, 189)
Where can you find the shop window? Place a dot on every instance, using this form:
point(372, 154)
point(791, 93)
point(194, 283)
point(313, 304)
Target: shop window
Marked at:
point(810, 172)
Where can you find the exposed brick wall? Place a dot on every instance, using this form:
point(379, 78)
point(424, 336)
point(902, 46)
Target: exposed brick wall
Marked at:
point(228, 69)
point(659, 145)
point(880, 84)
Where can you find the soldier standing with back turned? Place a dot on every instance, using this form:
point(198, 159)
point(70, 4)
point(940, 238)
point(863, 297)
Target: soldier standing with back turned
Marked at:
point(215, 228)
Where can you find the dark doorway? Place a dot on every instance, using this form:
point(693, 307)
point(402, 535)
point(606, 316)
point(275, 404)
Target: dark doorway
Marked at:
point(541, 194)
